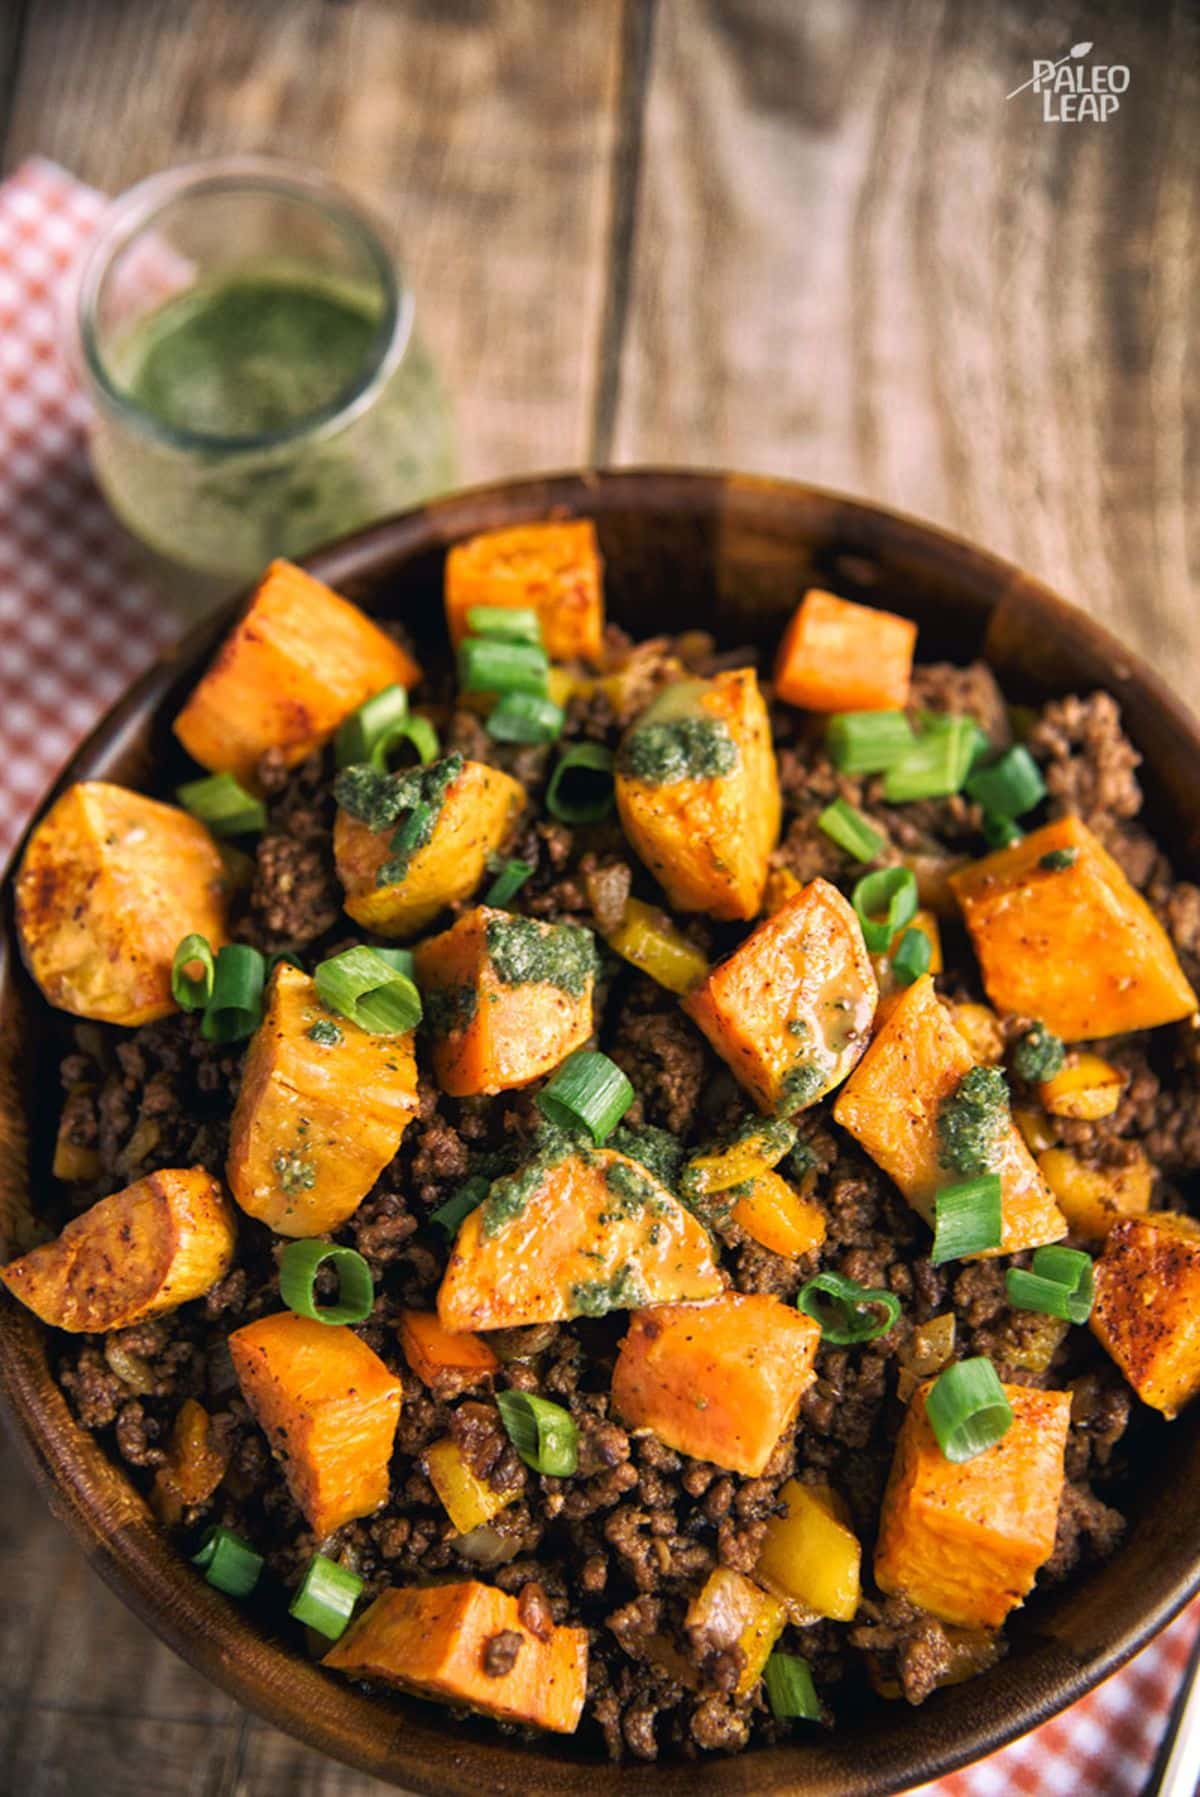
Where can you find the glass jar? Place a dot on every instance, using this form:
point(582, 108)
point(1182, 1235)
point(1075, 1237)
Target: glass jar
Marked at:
point(257, 385)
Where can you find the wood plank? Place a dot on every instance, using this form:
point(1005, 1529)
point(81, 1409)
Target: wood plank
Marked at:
point(858, 264)
point(273, 1762)
point(481, 131)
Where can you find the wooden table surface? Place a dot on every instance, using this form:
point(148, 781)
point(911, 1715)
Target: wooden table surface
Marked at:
point(806, 237)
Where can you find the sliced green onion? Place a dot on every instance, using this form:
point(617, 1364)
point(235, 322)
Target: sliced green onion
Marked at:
point(543, 1433)
point(581, 786)
point(850, 830)
point(489, 665)
point(967, 1409)
point(970, 1218)
point(234, 1007)
point(402, 959)
point(223, 804)
point(1061, 1284)
point(281, 957)
point(1010, 785)
point(936, 765)
point(587, 1092)
point(507, 623)
point(847, 1311)
point(469, 1196)
point(508, 882)
point(370, 991)
point(418, 732)
point(912, 957)
point(415, 830)
point(190, 991)
point(299, 1265)
point(526, 718)
point(867, 742)
point(359, 733)
point(228, 1562)
point(326, 1597)
point(884, 902)
point(790, 1689)
point(1000, 831)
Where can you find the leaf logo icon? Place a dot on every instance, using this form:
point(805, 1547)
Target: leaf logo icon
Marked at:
point(1081, 49)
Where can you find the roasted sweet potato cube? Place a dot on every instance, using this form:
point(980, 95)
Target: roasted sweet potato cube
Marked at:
point(432, 1639)
point(1147, 1309)
point(838, 656)
point(148, 1249)
point(479, 806)
point(965, 1541)
point(810, 1556)
point(496, 1022)
point(440, 1357)
point(1061, 935)
point(719, 1381)
point(573, 1236)
point(553, 569)
point(1092, 1198)
point(891, 1104)
point(327, 1405)
point(707, 839)
point(108, 885)
point(731, 1612)
point(297, 664)
point(320, 1111)
point(790, 1010)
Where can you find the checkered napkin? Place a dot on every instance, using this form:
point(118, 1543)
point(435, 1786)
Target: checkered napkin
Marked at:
point(78, 623)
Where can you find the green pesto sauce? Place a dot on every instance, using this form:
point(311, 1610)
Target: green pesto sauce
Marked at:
point(325, 1031)
point(633, 1192)
point(510, 1194)
point(412, 800)
point(524, 952)
point(451, 1008)
point(1038, 1054)
point(800, 1085)
point(972, 1120)
point(1055, 860)
point(625, 1290)
point(687, 748)
point(294, 1172)
point(655, 1149)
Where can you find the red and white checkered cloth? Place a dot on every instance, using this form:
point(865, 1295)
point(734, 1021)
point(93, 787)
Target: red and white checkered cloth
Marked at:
point(78, 623)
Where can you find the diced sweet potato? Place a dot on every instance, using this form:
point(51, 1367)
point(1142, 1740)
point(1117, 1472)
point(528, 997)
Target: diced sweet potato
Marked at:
point(1147, 1309)
point(719, 1381)
point(1092, 1198)
point(148, 1249)
point(109, 884)
point(965, 1541)
point(327, 1405)
point(194, 1467)
point(297, 664)
point(490, 1033)
point(1061, 935)
point(838, 656)
point(790, 1010)
point(576, 1236)
point(318, 1116)
point(479, 807)
point(776, 1216)
point(1086, 1088)
point(433, 1640)
point(732, 1612)
point(708, 839)
point(891, 1104)
point(436, 1355)
point(810, 1557)
point(553, 569)
point(467, 1499)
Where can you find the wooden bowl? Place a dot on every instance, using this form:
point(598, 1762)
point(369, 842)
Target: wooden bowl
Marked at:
point(729, 554)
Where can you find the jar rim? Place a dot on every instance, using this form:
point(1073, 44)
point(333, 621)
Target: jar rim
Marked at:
point(133, 212)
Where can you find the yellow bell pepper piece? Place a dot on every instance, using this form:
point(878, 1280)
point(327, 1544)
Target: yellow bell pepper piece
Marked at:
point(646, 937)
point(753, 1153)
point(778, 1218)
point(730, 1609)
point(1093, 1198)
point(468, 1500)
point(809, 1556)
point(980, 1028)
point(1086, 1088)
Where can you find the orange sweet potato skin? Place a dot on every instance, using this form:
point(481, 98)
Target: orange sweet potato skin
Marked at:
point(1075, 946)
point(297, 664)
point(838, 656)
point(515, 1034)
point(431, 1639)
point(708, 841)
point(1147, 1308)
point(720, 1381)
point(109, 883)
point(799, 989)
point(140, 1252)
point(480, 806)
point(315, 1123)
point(328, 1407)
point(571, 1239)
point(554, 569)
point(890, 1104)
point(966, 1541)
point(434, 1354)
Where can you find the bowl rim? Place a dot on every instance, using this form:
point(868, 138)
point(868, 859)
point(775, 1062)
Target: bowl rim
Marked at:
point(109, 1519)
